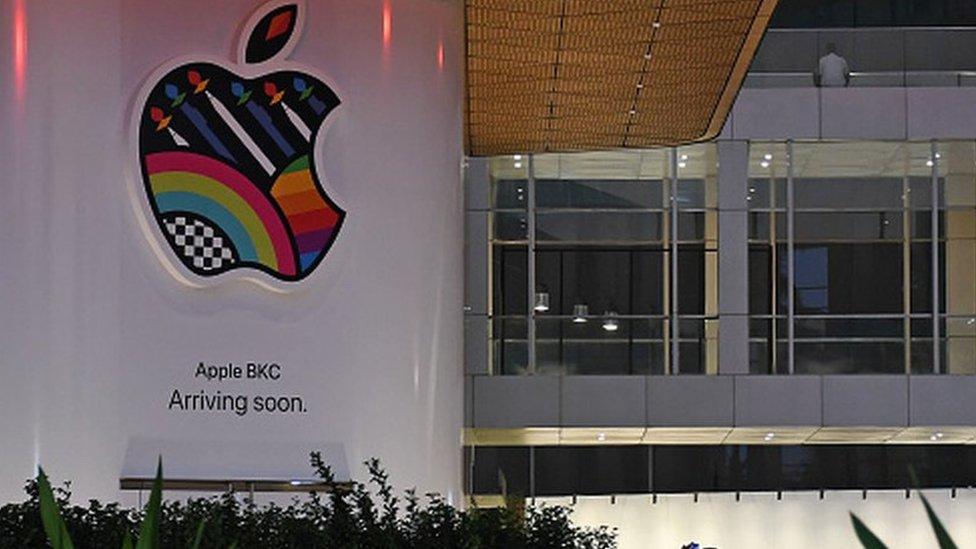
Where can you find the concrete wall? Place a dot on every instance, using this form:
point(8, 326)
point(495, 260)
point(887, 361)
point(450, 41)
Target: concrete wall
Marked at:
point(809, 113)
point(722, 401)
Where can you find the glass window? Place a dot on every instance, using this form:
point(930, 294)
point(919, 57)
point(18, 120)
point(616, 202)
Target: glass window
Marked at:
point(855, 218)
point(602, 258)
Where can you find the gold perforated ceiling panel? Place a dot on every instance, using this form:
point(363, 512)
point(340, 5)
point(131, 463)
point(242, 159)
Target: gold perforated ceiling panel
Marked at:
point(571, 75)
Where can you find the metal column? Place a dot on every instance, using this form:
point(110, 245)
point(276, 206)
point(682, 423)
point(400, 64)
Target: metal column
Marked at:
point(791, 263)
point(675, 323)
point(936, 347)
point(530, 261)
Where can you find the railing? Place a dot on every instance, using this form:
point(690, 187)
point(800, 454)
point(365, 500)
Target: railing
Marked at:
point(877, 57)
point(906, 79)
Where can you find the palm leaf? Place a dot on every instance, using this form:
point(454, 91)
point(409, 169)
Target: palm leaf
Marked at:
point(941, 534)
point(198, 539)
point(865, 535)
point(945, 540)
point(54, 527)
point(149, 531)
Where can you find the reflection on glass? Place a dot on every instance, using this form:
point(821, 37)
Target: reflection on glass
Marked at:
point(861, 244)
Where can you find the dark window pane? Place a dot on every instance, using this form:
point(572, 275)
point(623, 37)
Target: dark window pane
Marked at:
point(591, 470)
point(572, 226)
point(599, 194)
point(510, 226)
point(848, 278)
point(510, 345)
point(600, 279)
point(497, 466)
point(922, 277)
point(509, 278)
point(648, 283)
point(691, 279)
point(849, 357)
point(549, 278)
point(603, 470)
point(509, 193)
point(760, 288)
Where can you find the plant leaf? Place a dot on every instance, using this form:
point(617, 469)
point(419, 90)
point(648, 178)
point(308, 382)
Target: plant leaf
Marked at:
point(941, 534)
point(50, 514)
point(149, 531)
point(65, 538)
point(199, 537)
point(127, 541)
point(865, 535)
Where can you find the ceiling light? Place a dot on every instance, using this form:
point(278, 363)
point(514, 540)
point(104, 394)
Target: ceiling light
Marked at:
point(752, 189)
point(647, 55)
point(938, 155)
point(640, 85)
point(656, 24)
point(633, 111)
point(682, 164)
point(769, 437)
point(579, 313)
point(517, 157)
point(541, 302)
point(764, 164)
point(610, 324)
point(601, 437)
point(768, 156)
point(971, 321)
point(684, 157)
point(518, 165)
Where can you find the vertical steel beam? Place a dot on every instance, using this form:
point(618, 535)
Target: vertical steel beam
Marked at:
point(906, 261)
point(530, 251)
point(936, 347)
point(791, 262)
point(675, 323)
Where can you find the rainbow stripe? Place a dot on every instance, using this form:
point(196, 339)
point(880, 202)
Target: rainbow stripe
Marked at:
point(188, 182)
point(311, 219)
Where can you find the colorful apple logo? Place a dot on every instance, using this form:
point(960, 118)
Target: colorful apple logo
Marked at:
point(228, 184)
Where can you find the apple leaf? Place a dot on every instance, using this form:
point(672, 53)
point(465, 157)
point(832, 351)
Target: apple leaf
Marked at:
point(272, 32)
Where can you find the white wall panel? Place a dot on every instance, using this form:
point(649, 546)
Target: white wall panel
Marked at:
point(96, 333)
point(798, 521)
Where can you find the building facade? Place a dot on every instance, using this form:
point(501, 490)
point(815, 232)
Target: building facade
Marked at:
point(782, 316)
point(689, 343)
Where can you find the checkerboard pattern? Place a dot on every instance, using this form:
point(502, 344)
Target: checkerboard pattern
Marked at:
point(200, 244)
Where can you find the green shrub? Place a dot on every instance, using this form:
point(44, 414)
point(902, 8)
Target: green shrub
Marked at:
point(356, 516)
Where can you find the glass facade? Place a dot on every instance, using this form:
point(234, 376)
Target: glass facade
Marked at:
point(600, 230)
point(903, 57)
point(872, 13)
point(608, 263)
point(597, 470)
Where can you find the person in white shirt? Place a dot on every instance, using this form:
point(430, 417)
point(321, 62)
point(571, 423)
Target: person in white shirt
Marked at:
point(833, 71)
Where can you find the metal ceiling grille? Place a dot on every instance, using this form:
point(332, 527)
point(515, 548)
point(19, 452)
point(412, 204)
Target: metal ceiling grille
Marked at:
point(571, 75)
